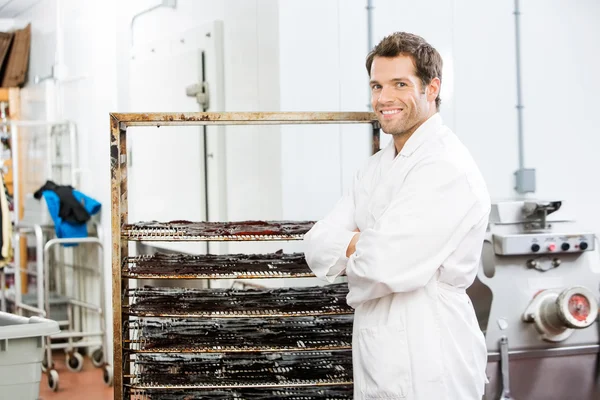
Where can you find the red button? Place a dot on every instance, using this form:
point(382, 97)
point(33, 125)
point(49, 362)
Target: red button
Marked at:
point(551, 247)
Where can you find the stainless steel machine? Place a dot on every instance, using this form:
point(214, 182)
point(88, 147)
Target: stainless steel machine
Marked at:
point(536, 299)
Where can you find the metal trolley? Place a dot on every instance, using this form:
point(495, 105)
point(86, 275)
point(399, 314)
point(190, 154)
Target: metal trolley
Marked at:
point(223, 343)
point(49, 152)
point(73, 305)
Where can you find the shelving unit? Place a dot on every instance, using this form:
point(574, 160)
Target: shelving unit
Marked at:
point(12, 175)
point(176, 343)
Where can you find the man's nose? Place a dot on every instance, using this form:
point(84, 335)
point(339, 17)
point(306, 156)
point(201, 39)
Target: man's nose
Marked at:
point(386, 95)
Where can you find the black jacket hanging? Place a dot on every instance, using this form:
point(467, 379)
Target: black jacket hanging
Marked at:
point(70, 209)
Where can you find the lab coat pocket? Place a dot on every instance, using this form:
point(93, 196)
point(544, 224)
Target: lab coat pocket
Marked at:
point(384, 362)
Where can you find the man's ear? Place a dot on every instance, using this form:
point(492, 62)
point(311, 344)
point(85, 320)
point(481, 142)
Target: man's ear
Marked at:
point(433, 89)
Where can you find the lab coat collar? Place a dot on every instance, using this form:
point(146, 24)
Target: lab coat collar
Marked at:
point(423, 133)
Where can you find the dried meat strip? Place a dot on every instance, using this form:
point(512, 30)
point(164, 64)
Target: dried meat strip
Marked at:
point(245, 333)
point(305, 393)
point(216, 229)
point(278, 263)
point(180, 301)
point(243, 369)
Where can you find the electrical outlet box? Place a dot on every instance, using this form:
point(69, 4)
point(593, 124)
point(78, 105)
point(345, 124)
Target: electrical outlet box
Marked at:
point(525, 180)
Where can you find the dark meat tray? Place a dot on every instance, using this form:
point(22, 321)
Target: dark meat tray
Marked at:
point(305, 393)
point(242, 334)
point(242, 230)
point(231, 370)
point(179, 302)
point(231, 266)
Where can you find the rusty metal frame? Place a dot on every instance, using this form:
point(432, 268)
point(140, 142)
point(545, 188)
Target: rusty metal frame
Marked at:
point(119, 122)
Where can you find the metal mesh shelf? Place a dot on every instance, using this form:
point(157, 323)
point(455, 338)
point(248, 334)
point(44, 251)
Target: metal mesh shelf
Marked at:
point(216, 231)
point(279, 302)
point(320, 392)
point(229, 266)
point(235, 385)
point(240, 335)
point(227, 370)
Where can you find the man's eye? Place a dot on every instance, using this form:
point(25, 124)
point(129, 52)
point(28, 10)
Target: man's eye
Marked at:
point(400, 84)
point(375, 87)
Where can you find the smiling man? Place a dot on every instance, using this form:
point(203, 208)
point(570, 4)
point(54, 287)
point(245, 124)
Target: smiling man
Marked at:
point(409, 236)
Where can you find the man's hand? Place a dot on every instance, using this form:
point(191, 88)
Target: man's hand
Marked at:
point(352, 246)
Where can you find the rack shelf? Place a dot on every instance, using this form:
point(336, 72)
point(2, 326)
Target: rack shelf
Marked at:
point(174, 344)
point(341, 392)
point(229, 266)
point(216, 335)
point(241, 349)
point(234, 370)
point(216, 231)
point(264, 385)
point(205, 303)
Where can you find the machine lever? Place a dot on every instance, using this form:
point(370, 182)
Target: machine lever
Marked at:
point(504, 369)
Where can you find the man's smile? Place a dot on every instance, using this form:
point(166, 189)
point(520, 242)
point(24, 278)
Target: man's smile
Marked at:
point(390, 112)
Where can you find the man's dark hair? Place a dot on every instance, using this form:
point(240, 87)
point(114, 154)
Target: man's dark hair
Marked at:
point(428, 62)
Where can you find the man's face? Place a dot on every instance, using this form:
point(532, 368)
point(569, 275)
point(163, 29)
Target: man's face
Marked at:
point(397, 95)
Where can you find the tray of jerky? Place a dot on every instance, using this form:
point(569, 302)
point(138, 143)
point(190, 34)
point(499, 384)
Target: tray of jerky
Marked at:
point(215, 231)
point(258, 343)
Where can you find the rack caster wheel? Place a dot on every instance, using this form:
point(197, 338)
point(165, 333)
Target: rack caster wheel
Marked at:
point(74, 362)
point(53, 380)
point(82, 350)
point(45, 367)
point(107, 376)
point(98, 358)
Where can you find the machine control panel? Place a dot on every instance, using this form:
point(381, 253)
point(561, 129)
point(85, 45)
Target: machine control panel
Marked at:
point(542, 243)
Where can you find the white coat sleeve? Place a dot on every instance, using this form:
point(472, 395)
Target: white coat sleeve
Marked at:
point(427, 218)
point(326, 243)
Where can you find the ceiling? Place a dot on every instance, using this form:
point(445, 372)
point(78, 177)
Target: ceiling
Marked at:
point(14, 8)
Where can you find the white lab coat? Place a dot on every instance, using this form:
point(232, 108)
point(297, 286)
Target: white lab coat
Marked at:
point(422, 217)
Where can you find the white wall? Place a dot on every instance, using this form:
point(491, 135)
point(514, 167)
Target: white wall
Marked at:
point(321, 53)
point(8, 24)
point(559, 86)
point(561, 102)
point(485, 89)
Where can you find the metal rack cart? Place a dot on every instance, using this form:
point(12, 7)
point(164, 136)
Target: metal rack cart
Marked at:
point(292, 342)
point(50, 153)
point(74, 359)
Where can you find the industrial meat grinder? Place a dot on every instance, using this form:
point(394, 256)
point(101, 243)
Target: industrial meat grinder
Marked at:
point(536, 299)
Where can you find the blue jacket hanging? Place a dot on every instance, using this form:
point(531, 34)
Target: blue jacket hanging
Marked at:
point(67, 229)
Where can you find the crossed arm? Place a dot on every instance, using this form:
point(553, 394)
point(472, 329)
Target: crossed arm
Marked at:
point(352, 246)
point(422, 225)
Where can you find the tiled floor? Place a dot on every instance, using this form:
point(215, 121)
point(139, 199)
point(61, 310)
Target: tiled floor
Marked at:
point(86, 384)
